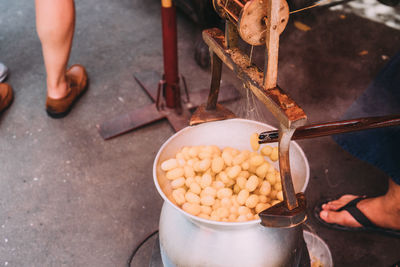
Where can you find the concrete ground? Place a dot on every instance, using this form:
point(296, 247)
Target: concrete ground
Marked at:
point(69, 198)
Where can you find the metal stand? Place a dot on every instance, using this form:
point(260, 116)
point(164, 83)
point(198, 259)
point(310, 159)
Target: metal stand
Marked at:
point(137, 118)
point(166, 97)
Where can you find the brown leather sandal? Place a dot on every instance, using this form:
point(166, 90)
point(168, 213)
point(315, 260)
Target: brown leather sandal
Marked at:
point(77, 80)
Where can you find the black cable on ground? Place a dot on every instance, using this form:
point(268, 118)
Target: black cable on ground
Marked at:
point(139, 246)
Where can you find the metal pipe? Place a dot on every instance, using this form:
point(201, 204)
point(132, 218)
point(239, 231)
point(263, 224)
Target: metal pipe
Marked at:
point(170, 50)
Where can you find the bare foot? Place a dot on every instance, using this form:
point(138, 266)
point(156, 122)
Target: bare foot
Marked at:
point(383, 211)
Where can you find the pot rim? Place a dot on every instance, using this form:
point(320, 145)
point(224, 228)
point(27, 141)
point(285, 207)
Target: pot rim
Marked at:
point(206, 221)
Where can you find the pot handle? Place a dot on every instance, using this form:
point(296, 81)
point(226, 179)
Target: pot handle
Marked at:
point(336, 127)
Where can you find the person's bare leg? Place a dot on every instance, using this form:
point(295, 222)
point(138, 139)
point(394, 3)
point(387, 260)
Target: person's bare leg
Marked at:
point(383, 211)
point(55, 22)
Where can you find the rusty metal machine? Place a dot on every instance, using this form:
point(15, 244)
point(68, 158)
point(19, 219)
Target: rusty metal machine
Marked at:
point(260, 22)
point(257, 22)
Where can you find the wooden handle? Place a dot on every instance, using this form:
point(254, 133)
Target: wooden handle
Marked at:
point(337, 127)
point(272, 44)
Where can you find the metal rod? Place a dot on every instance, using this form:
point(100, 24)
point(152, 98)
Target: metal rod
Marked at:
point(251, 55)
point(231, 35)
point(186, 89)
point(312, 6)
point(289, 195)
point(216, 69)
point(239, 3)
point(231, 14)
point(160, 88)
point(337, 127)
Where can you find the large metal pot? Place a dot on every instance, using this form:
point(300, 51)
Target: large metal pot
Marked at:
point(187, 240)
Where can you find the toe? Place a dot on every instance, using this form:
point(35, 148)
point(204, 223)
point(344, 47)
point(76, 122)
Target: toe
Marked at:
point(338, 203)
point(330, 216)
point(332, 206)
point(342, 218)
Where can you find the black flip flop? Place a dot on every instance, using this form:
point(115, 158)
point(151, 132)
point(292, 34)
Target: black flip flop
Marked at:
point(351, 208)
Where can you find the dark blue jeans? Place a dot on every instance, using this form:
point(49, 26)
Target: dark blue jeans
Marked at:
point(380, 147)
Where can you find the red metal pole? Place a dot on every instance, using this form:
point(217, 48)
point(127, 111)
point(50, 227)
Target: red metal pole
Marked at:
point(170, 49)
